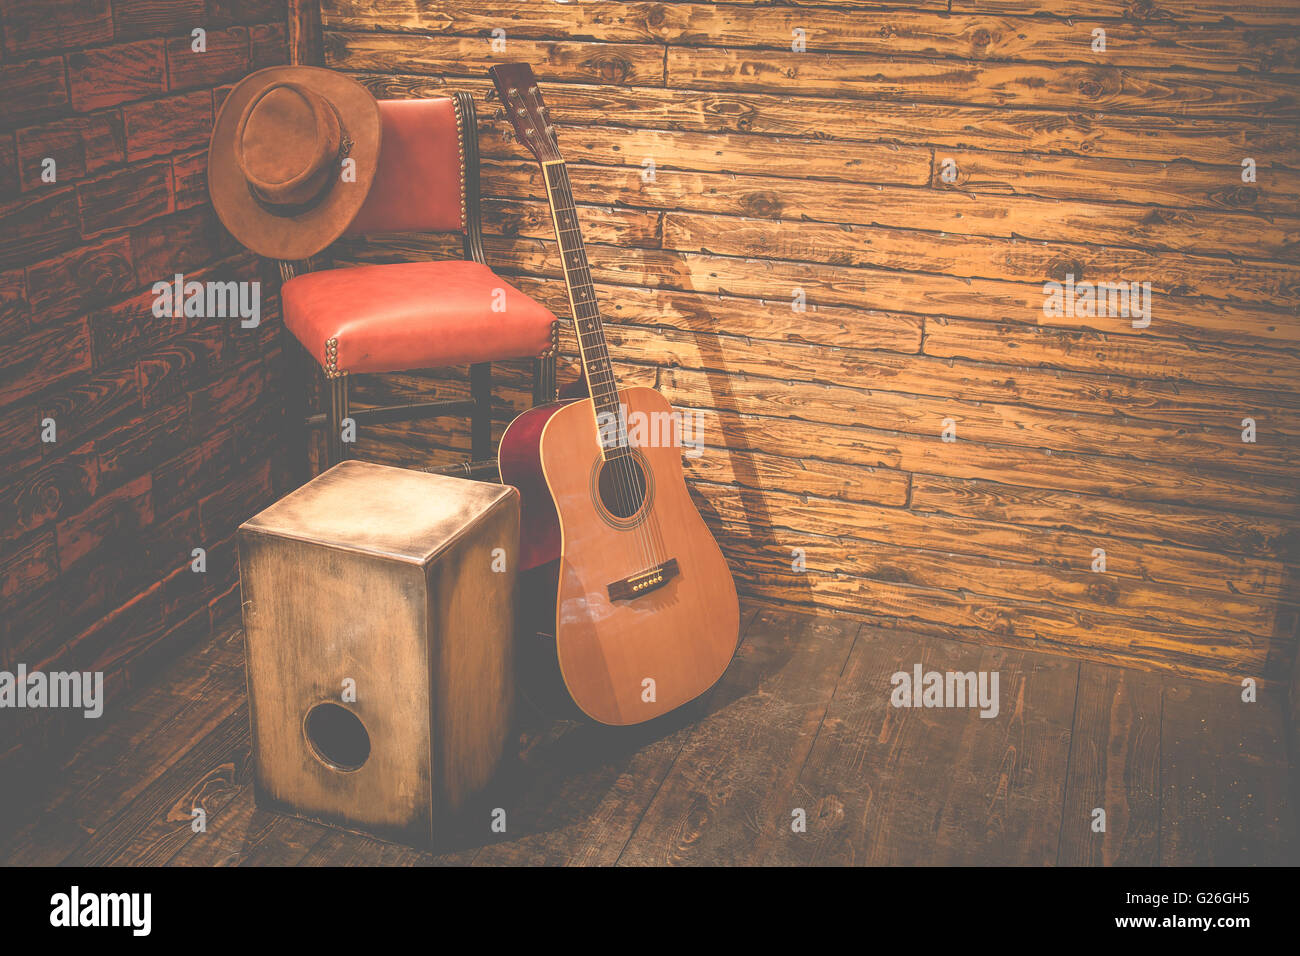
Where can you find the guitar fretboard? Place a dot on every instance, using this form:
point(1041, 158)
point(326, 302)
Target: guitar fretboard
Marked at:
point(586, 315)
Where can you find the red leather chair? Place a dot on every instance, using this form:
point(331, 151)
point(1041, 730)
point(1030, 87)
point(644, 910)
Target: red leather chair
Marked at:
point(416, 315)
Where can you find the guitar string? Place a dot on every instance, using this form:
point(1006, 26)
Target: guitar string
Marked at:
point(635, 477)
point(591, 339)
point(633, 481)
point(591, 335)
point(624, 464)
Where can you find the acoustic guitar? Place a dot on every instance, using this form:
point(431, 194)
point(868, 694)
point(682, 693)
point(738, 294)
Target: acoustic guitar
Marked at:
point(646, 616)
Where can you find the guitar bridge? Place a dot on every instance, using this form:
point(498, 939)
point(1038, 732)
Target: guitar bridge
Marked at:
point(643, 582)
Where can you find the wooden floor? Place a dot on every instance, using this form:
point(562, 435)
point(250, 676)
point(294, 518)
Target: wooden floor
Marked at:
point(1185, 772)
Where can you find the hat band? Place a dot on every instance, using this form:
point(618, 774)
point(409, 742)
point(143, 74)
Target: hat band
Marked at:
point(290, 210)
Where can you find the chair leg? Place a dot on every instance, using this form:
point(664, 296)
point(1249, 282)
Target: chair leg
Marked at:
point(336, 449)
point(297, 437)
point(480, 389)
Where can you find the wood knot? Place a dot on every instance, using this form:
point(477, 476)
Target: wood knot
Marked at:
point(830, 809)
point(1146, 10)
point(1162, 217)
point(893, 575)
point(1098, 82)
point(1103, 591)
point(1058, 269)
point(740, 114)
point(511, 223)
point(763, 205)
point(1242, 195)
point(610, 69)
point(101, 271)
point(48, 499)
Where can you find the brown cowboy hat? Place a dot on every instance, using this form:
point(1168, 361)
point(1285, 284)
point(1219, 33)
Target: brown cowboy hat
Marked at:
point(275, 161)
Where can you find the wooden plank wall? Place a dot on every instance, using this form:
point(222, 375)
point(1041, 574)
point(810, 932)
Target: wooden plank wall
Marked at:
point(818, 175)
point(165, 428)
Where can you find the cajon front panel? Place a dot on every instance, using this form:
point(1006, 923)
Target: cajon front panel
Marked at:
point(404, 596)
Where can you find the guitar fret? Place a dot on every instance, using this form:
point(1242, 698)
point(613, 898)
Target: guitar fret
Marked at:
point(599, 371)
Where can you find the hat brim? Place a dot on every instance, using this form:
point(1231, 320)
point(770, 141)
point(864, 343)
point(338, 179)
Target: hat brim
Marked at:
point(306, 232)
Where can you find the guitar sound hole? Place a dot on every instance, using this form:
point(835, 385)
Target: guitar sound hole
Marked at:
point(622, 486)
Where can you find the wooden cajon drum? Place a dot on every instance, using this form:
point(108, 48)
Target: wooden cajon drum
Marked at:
point(378, 611)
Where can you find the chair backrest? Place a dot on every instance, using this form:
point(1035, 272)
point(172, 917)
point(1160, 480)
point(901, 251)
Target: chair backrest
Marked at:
point(420, 183)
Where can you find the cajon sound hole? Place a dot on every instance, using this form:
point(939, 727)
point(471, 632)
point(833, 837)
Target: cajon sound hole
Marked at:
point(337, 736)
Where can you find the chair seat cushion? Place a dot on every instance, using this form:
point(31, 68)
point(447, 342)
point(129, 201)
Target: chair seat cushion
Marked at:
point(412, 315)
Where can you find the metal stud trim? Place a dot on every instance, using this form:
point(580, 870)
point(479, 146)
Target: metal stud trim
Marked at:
point(460, 151)
point(332, 359)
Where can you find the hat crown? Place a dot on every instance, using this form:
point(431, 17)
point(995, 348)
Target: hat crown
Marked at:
point(287, 145)
point(274, 171)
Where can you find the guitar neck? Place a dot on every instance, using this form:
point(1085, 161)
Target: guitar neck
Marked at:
point(596, 364)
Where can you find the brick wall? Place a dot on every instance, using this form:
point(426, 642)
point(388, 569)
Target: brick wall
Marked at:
point(164, 427)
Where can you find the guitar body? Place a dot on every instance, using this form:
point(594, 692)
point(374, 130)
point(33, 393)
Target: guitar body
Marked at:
point(682, 629)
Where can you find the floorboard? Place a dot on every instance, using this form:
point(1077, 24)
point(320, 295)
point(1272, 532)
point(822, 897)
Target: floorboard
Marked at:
point(583, 789)
point(1223, 761)
point(113, 766)
point(931, 785)
point(727, 796)
point(798, 756)
point(158, 823)
point(1115, 768)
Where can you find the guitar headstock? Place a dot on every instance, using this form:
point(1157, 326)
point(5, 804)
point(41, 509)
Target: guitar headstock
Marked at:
point(517, 88)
